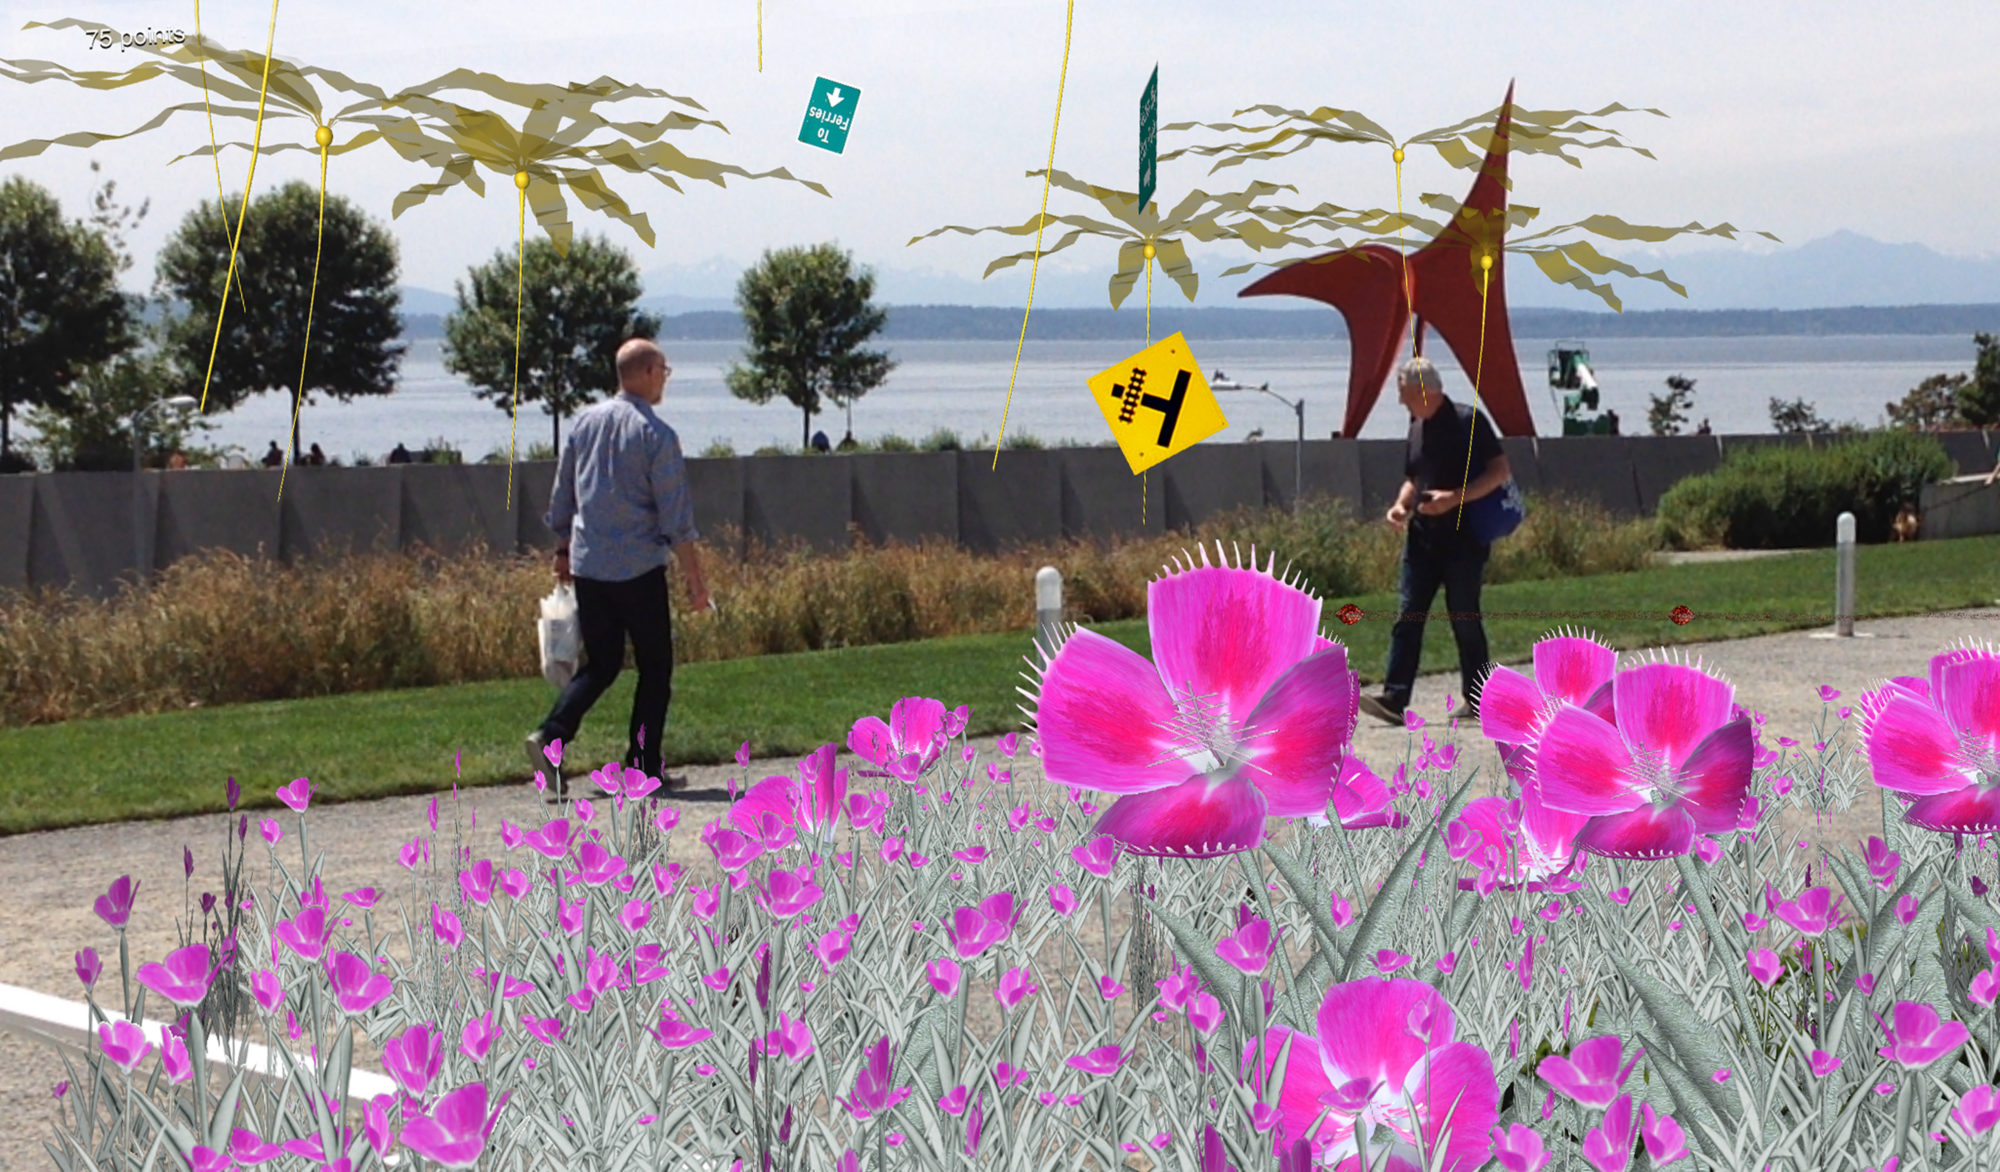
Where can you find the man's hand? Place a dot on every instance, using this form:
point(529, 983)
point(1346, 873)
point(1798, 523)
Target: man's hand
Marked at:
point(1438, 501)
point(699, 596)
point(1399, 516)
point(562, 564)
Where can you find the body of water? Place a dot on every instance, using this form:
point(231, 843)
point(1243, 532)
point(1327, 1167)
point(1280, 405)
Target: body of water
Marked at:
point(964, 386)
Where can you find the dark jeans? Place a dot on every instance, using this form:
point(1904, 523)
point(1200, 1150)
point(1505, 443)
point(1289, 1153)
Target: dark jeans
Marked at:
point(1458, 568)
point(607, 612)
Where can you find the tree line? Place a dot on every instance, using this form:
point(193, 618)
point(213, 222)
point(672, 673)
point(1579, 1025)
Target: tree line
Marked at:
point(80, 358)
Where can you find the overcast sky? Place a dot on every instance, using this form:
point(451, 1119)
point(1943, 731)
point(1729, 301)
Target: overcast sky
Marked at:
point(1875, 117)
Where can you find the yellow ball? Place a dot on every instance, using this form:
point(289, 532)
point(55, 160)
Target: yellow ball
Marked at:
point(1399, 154)
point(1149, 252)
point(521, 180)
point(1485, 262)
point(323, 136)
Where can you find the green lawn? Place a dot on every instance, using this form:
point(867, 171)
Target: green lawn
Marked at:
point(383, 743)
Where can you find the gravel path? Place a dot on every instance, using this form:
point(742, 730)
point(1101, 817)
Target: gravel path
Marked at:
point(52, 877)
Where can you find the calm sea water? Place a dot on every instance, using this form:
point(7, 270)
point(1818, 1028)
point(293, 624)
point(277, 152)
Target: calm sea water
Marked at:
point(963, 386)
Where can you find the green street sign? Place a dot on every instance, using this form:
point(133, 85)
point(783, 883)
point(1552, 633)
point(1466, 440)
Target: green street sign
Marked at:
point(829, 112)
point(1149, 136)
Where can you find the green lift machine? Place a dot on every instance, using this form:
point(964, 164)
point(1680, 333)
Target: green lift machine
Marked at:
point(1574, 389)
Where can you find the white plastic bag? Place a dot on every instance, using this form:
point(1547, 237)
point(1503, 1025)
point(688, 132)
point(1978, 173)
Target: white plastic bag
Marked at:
point(562, 638)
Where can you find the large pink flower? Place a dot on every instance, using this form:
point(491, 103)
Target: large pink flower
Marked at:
point(1936, 743)
point(1515, 842)
point(1383, 1056)
point(1664, 763)
point(1247, 713)
point(908, 745)
point(813, 801)
point(1513, 709)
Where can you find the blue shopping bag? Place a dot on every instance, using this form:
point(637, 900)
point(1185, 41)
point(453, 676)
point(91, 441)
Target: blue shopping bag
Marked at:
point(1498, 513)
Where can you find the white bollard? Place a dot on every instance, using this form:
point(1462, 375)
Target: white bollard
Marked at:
point(1843, 581)
point(1048, 608)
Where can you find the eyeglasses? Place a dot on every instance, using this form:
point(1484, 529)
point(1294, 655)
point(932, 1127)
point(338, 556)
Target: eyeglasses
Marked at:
point(668, 370)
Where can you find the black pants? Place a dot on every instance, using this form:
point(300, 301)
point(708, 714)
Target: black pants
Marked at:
point(1458, 567)
point(607, 612)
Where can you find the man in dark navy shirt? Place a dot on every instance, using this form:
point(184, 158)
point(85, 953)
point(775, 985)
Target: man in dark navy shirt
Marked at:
point(1441, 549)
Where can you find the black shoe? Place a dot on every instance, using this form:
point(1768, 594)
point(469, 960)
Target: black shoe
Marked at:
point(1383, 708)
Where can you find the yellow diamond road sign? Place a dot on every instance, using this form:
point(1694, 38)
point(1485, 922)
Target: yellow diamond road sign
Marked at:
point(1157, 403)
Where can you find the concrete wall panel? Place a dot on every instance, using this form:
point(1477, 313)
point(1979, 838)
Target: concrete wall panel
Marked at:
point(1381, 464)
point(1592, 467)
point(906, 497)
point(1018, 503)
point(446, 507)
point(1522, 461)
point(202, 508)
point(532, 485)
point(1331, 469)
point(1102, 499)
point(17, 510)
point(786, 497)
point(1208, 479)
point(327, 511)
point(81, 531)
point(717, 486)
point(1663, 462)
point(1968, 450)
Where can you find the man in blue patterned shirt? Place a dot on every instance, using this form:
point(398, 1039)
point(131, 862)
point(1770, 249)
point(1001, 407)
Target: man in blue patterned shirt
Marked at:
point(620, 502)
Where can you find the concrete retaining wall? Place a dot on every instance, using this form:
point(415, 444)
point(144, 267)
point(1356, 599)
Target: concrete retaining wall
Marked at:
point(76, 528)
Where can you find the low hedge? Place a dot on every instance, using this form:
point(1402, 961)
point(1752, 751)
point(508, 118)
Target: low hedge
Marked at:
point(1785, 497)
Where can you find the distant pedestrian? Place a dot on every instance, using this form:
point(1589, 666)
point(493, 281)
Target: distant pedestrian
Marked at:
point(620, 501)
point(177, 461)
point(400, 455)
point(275, 458)
point(315, 457)
point(1703, 429)
point(1611, 418)
point(847, 443)
point(1441, 550)
point(820, 444)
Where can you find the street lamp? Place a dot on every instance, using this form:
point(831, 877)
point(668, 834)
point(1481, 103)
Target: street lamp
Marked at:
point(140, 562)
point(1220, 383)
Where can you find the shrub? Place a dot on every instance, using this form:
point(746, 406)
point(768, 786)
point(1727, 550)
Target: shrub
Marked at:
point(1789, 497)
point(943, 439)
point(718, 449)
point(891, 442)
point(1022, 441)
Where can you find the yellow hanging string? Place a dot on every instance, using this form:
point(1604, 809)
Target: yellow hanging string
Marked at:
point(214, 151)
point(324, 137)
point(1478, 365)
point(1149, 344)
point(1061, 81)
point(255, 143)
point(760, 36)
point(520, 251)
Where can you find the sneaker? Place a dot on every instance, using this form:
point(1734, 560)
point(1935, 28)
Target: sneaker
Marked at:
point(1382, 708)
point(538, 762)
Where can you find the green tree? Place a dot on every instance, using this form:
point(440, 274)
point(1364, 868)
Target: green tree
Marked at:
point(1668, 413)
point(1797, 416)
point(93, 430)
point(60, 307)
point(1979, 400)
point(575, 311)
point(1931, 405)
point(808, 312)
point(353, 350)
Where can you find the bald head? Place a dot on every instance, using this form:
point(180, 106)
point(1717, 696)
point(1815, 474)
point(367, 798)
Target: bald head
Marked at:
point(642, 369)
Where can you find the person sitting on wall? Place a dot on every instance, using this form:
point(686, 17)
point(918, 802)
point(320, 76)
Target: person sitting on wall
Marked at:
point(820, 444)
point(275, 458)
point(401, 455)
point(1611, 420)
point(177, 461)
point(1703, 429)
point(315, 457)
point(847, 443)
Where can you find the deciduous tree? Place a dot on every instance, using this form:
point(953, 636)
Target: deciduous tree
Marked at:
point(808, 313)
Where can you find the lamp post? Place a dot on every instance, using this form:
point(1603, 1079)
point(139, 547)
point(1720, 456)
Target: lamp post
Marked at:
point(140, 562)
point(1221, 383)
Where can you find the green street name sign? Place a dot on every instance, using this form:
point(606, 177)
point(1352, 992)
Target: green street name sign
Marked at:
point(1149, 137)
point(829, 112)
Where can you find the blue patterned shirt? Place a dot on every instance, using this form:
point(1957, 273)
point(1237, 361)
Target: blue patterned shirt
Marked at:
point(621, 491)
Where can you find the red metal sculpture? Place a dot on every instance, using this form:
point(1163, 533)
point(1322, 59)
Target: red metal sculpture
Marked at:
point(1366, 285)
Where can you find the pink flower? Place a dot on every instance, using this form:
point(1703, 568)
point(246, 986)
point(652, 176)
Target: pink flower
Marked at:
point(1590, 1074)
point(1204, 1012)
point(478, 1037)
point(272, 832)
point(1518, 842)
point(1653, 760)
point(174, 1058)
point(1101, 1061)
point(1519, 1149)
point(1812, 912)
point(115, 905)
point(1340, 909)
point(1014, 987)
point(944, 974)
point(1247, 713)
point(1608, 1147)
point(1978, 1110)
point(298, 795)
point(1097, 855)
point(1919, 1039)
point(88, 967)
point(1882, 862)
point(1937, 741)
point(973, 930)
point(1363, 1067)
point(1665, 1142)
point(1062, 899)
point(413, 1059)
point(908, 745)
point(124, 1043)
point(873, 1093)
point(675, 1034)
point(1906, 908)
point(1248, 949)
point(455, 1132)
point(184, 978)
point(787, 894)
point(546, 1030)
point(355, 988)
point(1388, 960)
point(1763, 965)
point(445, 926)
point(1824, 1063)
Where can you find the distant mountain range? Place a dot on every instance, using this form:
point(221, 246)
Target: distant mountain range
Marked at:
point(1844, 270)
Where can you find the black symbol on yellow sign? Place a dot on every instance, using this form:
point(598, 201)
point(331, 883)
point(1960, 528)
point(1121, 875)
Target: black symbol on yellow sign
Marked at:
point(1132, 397)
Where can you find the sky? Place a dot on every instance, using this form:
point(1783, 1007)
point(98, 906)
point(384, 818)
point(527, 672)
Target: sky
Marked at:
point(1876, 118)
